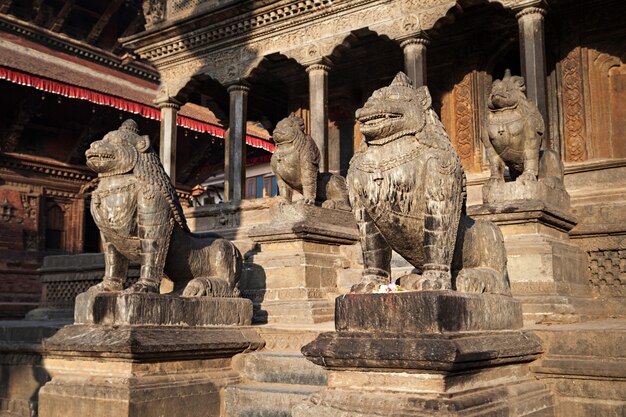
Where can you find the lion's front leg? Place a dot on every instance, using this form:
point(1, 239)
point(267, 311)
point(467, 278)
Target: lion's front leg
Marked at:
point(154, 230)
point(376, 253)
point(284, 191)
point(115, 269)
point(308, 173)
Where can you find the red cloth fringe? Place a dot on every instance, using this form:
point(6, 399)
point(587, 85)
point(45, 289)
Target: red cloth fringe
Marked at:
point(70, 91)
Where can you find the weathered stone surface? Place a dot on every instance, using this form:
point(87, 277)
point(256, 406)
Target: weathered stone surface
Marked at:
point(140, 219)
point(585, 365)
point(21, 368)
point(114, 309)
point(406, 186)
point(506, 192)
point(141, 342)
point(307, 222)
point(520, 398)
point(296, 164)
point(293, 279)
point(141, 371)
point(402, 352)
point(426, 312)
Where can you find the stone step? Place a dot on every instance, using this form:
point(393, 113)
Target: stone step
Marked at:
point(264, 399)
point(280, 367)
point(547, 308)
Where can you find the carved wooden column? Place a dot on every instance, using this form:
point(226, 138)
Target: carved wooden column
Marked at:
point(318, 105)
point(533, 60)
point(167, 143)
point(235, 151)
point(415, 59)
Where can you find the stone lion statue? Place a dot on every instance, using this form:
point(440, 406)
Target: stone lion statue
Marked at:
point(516, 130)
point(295, 163)
point(140, 219)
point(407, 189)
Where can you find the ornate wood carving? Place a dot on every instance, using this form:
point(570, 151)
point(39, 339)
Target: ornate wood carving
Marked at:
point(573, 106)
point(464, 123)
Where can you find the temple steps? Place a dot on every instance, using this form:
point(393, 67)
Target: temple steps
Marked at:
point(273, 383)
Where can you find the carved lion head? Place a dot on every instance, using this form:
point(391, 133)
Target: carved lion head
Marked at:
point(118, 152)
point(394, 111)
point(508, 92)
point(288, 129)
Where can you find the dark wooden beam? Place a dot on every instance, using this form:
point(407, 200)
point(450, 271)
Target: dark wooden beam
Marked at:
point(38, 12)
point(103, 20)
point(28, 108)
point(60, 19)
point(5, 5)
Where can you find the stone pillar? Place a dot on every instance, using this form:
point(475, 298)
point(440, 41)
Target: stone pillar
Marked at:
point(533, 60)
point(167, 143)
point(318, 105)
point(415, 59)
point(235, 151)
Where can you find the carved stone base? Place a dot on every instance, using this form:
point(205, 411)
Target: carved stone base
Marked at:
point(427, 311)
point(380, 367)
point(116, 309)
point(542, 263)
point(293, 278)
point(551, 193)
point(125, 371)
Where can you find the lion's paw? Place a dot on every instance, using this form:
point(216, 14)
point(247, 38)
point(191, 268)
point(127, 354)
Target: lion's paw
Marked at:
point(107, 285)
point(526, 177)
point(368, 284)
point(481, 280)
point(306, 201)
point(336, 205)
point(197, 287)
point(428, 281)
point(142, 288)
point(282, 201)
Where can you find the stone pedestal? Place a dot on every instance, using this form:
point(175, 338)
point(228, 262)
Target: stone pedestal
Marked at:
point(427, 353)
point(293, 279)
point(546, 271)
point(133, 355)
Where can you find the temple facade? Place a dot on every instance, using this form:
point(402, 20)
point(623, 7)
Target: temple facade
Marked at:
point(322, 58)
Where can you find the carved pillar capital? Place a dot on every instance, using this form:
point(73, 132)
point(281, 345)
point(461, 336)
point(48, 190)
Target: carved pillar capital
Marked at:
point(531, 12)
point(241, 86)
point(422, 40)
point(168, 103)
point(318, 67)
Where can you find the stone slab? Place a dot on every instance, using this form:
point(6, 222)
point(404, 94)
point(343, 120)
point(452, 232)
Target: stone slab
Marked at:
point(542, 190)
point(430, 352)
point(163, 310)
point(426, 312)
point(524, 212)
point(307, 222)
point(151, 342)
point(517, 399)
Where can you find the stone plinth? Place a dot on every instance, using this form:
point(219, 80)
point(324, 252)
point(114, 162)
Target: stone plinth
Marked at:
point(164, 310)
point(427, 353)
point(550, 192)
point(140, 371)
point(143, 358)
point(293, 279)
point(546, 271)
point(427, 312)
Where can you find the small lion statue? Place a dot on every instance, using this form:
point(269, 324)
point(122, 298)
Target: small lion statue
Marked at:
point(295, 163)
point(407, 189)
point(516, 130)
point(140, 219)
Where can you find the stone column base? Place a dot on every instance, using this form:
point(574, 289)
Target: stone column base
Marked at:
point(293, 279)
point(140, 371)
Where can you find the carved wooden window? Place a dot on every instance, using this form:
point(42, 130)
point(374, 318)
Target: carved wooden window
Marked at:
point(55, 228)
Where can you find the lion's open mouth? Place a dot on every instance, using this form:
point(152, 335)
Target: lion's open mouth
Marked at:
point(100, 156)
point(376, 119)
